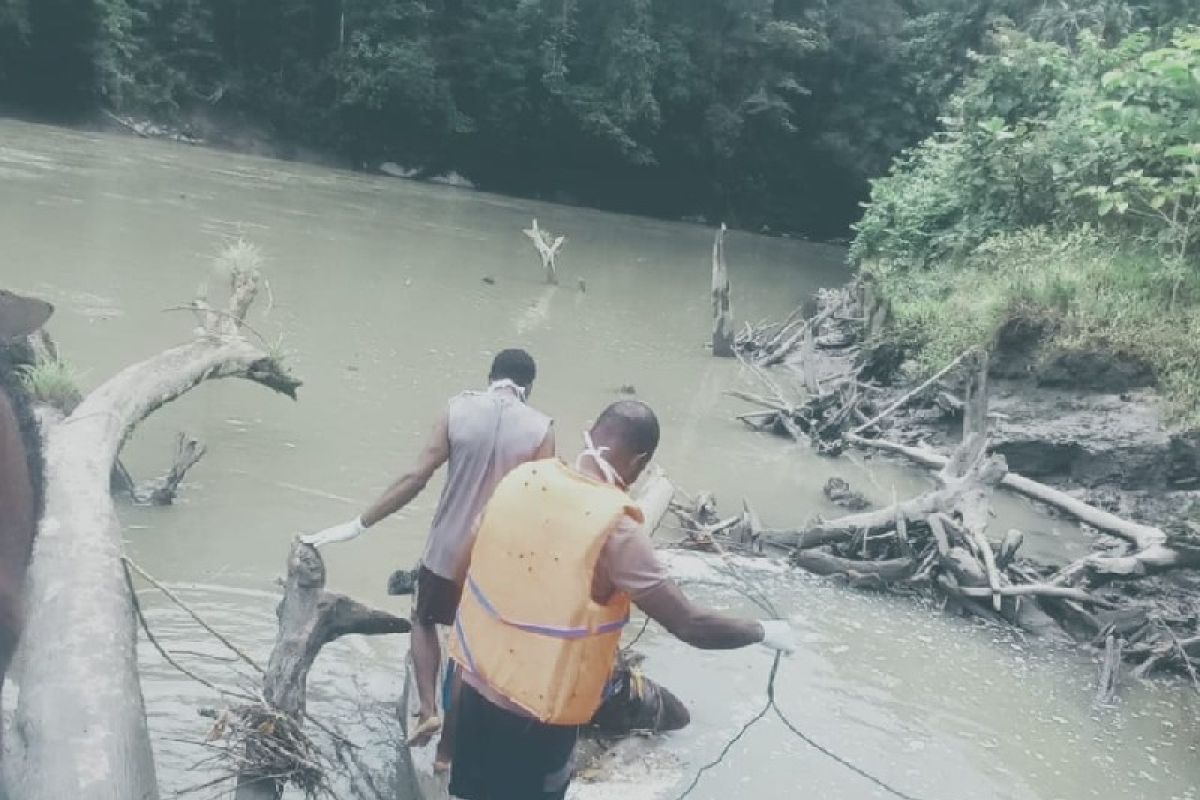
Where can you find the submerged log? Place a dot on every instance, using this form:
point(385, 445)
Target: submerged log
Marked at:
point(819, 562)
point(80, 723)
point(309, 619)
point(161, 491)
point(722, 333)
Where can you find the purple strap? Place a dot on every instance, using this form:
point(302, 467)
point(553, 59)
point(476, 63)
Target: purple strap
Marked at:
point(462, 639)
point(542, 630)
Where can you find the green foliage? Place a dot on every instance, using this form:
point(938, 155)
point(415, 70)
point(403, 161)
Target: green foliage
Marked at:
point(1150, 115)
point(53, 382)
point(1092, 134)
point(1063, 188)
point(1082, 291)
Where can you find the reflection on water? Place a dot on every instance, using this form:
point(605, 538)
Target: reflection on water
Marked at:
point(381, 300)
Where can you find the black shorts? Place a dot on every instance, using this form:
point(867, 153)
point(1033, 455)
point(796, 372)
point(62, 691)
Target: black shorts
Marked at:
point(437, 599)
point(499, 755)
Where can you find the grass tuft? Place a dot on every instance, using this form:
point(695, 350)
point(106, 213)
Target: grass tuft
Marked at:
point(54, 382)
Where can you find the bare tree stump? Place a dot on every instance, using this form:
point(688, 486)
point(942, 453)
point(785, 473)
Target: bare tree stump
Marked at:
point(1110, 671)
point(309, 619)
point(722, 334)
point(161, 491)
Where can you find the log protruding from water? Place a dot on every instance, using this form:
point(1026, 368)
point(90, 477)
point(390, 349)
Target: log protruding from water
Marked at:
point(722, 333)
point(547, 247)
point(271, 734)
point(161, 491)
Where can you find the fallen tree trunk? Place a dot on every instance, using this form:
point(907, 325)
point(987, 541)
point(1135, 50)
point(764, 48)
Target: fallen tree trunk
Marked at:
point(947, 498)
point(80, 725)
point(1152, 553)
point(1139, 535)
point(309, 619)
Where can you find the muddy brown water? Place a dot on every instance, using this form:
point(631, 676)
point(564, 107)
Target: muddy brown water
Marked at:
point(380, 298)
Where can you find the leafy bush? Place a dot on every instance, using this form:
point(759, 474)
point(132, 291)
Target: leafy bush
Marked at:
point(1081, 290)
point(1045, 133)
point(1064, 188)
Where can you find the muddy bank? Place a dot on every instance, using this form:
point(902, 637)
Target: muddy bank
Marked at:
point(1104, 441)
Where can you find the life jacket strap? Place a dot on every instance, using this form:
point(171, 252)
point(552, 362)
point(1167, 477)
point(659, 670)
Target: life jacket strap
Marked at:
point(553, 631)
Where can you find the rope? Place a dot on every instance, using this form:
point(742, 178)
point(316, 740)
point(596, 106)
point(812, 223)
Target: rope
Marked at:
point(758, 598)
point(637, 638)
point(162, 651)
point(131, 564)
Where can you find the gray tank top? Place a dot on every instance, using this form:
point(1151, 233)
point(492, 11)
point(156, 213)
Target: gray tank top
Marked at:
point(490, 433)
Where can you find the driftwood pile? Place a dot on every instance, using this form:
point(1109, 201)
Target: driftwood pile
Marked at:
point(939, 542)
point(818, 391)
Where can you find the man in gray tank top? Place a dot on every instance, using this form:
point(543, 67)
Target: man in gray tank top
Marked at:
point(482, 435)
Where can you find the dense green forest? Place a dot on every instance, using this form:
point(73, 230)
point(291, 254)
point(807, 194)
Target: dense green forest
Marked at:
point(761, 113)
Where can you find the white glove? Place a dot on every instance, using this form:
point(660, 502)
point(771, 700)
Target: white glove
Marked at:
point(778, 635)
point(338, 533)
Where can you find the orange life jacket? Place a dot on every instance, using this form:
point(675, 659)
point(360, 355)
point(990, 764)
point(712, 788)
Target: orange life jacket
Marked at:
point(527, 625)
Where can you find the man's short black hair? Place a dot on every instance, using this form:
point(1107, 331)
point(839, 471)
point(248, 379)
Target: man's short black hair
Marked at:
point(633, 423)
point(514, 364)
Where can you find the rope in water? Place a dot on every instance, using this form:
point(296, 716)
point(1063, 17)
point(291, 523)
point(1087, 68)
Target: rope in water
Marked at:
point(751, 593)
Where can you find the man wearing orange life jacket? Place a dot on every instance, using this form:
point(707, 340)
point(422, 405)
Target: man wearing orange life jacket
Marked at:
point(559, 556)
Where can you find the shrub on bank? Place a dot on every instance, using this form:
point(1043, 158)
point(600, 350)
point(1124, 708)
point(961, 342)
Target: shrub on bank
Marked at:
point(1064, 191)
point(1078, 290)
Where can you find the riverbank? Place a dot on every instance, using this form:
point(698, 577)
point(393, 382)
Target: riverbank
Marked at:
point(1061, 431)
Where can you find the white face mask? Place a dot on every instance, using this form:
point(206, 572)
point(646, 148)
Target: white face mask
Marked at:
point(597, 455)
point(508, 383)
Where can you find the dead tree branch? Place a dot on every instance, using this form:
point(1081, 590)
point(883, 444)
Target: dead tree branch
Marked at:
point(547, 248)
point(309, 619)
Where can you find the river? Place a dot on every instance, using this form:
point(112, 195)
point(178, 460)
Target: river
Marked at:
point(381, 302)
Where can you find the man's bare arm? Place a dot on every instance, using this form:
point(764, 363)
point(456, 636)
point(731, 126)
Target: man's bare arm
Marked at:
point(546, 448)
point(699, 627)
point(410, 484)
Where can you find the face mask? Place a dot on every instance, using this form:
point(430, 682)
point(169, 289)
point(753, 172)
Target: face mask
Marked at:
point(597, 455)
point(507, 383)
